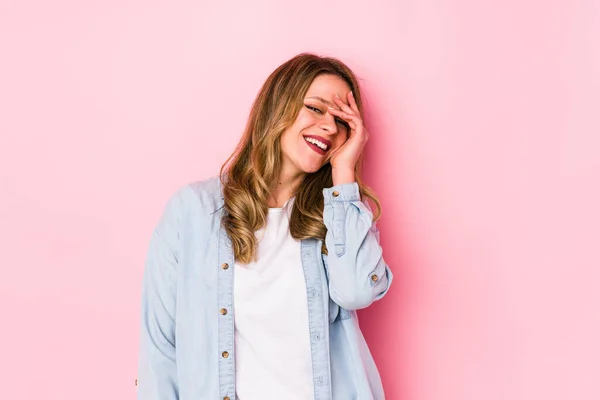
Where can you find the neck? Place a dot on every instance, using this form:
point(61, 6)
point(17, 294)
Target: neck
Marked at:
point(287, 184)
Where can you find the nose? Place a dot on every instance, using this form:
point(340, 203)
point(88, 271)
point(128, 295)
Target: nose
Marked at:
point(328, 124)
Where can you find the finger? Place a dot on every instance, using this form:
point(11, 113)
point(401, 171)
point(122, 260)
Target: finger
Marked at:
point(339, 113)
point(352, 119)
point(345, 107)
point(352, 102)
point(342, 113)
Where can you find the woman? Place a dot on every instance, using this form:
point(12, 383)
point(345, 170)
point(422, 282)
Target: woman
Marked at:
point(285, 218)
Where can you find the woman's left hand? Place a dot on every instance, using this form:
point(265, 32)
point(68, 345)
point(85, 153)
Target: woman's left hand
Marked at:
point(346, 156)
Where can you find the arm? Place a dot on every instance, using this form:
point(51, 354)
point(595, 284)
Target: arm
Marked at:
point(357, 273)
point(157, 374)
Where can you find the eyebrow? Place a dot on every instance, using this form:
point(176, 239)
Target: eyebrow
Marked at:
point(322, 100)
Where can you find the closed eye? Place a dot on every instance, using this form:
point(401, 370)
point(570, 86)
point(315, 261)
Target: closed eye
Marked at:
point(342, 122)
point(315, 109)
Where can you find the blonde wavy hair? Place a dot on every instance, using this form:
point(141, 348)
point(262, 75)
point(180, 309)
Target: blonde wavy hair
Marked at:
point(251, 173)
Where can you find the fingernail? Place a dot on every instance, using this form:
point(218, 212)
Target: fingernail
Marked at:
point(336, 95)
point(351, 94)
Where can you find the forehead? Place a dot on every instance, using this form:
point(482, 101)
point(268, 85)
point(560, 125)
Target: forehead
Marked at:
point(327, 85)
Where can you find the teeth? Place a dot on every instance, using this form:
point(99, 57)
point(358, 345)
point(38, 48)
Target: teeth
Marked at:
point(322, 145)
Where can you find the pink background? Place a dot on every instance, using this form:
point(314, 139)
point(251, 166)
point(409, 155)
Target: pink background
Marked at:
point(485, 150)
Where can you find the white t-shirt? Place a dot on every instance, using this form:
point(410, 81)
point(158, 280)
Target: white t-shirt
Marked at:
point(272, 341)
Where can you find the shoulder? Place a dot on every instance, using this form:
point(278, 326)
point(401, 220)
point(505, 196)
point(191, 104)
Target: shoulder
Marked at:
point(207, 190)
point(195, 203)
point(205, 195)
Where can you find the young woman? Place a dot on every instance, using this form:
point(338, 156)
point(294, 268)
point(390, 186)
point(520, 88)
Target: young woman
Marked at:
point(252, 278)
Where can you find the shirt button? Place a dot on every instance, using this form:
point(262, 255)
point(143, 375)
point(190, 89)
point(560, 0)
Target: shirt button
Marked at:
point(225, 354)
point(223, 311)
point(335, 193)
point(374, 278)
point(225, 266)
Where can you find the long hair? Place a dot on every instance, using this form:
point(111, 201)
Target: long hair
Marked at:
point(251, 173)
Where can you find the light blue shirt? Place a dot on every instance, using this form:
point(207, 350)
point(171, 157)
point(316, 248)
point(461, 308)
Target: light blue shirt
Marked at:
point(187, 320)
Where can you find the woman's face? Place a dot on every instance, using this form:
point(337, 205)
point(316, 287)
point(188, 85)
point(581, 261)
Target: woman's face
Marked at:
point(307, 144)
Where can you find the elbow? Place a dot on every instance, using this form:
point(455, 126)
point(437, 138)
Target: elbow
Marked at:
point(350, 301)
point(361, 294)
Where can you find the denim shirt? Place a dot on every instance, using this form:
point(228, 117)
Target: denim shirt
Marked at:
point(187, 319)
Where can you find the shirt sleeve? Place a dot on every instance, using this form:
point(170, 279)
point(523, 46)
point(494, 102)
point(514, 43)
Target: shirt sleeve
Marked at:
point(357, 272)
point(157, 367)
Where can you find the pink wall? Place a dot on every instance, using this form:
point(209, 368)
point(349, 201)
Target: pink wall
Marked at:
point(485, 150)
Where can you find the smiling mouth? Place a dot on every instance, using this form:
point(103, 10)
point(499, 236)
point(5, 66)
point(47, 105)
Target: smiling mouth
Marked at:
point(318, 144)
